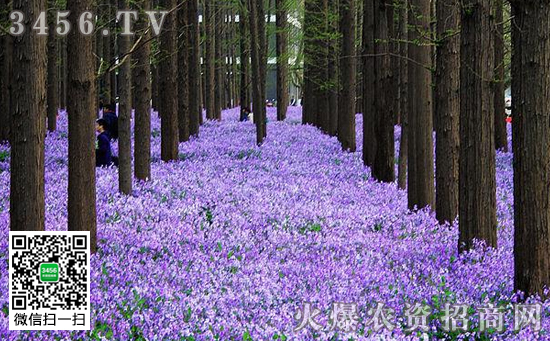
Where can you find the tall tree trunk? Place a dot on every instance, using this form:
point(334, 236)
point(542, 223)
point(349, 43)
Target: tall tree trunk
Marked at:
point(184, 53)
point(233, 54)
point(210, 32)
point(359, 20)
point(256, 49)
point(218, 62)
point(531, 144)
point(403, 152)
point(64, 74)
point(108, 53)
point(309, 102)
point(477, 182)
point(346, 100)
point(125, 111)
point(155, 62)
point(403, 91)
point(168, 89)
point(98, 44)
point(195, 106)
point(82, 109)
point(393, 79)
point(420, 154)
point(155, 85)
point(28, 129)
point(383, 168)
point(5, 79)
point(228, 43)
point(115, 50)
point(501, 135)
point(244, 31)
point(369, 84)
point(321, 61)
point(333, 67)
point(53, 79)
point(447, 110)
point(263, 53)
point(142, 93)
point(282, 59)
point(316, 104)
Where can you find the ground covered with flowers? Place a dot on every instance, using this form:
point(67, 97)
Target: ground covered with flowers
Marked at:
point(231, 240)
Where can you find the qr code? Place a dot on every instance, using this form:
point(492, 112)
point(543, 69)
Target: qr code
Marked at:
point(49, 275)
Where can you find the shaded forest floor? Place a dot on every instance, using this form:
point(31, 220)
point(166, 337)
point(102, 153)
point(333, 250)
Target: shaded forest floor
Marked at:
point(231, 240)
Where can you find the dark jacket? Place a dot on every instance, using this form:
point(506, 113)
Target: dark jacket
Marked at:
point(112, 121)
point(103, 157)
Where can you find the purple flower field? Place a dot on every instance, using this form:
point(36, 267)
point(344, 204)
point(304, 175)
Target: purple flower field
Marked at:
point(230, 241)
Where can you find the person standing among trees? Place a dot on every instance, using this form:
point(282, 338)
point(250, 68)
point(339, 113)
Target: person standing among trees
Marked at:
point(103, 156)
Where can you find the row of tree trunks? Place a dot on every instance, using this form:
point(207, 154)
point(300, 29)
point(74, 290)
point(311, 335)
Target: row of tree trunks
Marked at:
point(477, 181)
point(420, 139)
point(447, 110)
point(282, 59)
